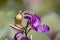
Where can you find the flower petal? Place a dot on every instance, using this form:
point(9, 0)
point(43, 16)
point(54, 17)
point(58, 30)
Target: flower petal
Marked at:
point(44, 28)
point(28, 17)
point(31, 17)
point(37, 20)
point(34, 20)
point(19, 32)
point(24, 38)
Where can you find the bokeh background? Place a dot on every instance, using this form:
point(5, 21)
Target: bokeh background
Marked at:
point(47, 10)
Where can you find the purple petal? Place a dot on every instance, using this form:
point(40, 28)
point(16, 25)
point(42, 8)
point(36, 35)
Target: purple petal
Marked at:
point(37, 20)
point(44, 28)
point(34, 20)
point(19, 32)
point(24, 38)
point(28, 17)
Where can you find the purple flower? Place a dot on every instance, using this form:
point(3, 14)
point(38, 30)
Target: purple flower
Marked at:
point(19, 32)
point(35, 21)
point(44, 28)
point(24, 38)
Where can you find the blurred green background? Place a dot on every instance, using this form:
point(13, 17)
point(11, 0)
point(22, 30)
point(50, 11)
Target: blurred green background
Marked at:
point(47, 10)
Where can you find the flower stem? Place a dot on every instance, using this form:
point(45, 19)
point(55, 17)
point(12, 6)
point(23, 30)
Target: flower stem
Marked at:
point(26, 29)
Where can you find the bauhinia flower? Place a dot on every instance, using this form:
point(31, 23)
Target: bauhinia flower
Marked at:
point(35, 23)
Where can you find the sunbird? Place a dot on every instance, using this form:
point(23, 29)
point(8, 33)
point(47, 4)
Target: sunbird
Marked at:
point(18, 18)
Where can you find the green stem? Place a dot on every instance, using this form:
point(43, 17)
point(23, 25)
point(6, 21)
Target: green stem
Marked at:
point(26, 29)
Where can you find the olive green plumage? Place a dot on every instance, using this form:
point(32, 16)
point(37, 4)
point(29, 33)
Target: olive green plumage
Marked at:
point(18, 18)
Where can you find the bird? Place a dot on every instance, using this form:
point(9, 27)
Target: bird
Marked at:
point(18, 18)
point(18, 21)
